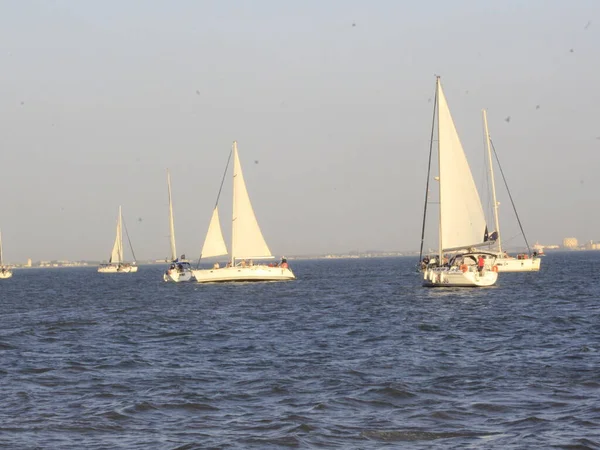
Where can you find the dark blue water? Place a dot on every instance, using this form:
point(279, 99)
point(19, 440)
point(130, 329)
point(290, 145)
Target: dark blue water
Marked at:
point(355, 354)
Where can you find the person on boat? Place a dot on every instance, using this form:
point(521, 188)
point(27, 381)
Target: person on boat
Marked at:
point(284, 264)
point(180, 267)
point(216, 265)
point(480, 263)
point(534, 254)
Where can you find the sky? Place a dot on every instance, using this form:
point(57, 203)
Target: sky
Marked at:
point(331, 105)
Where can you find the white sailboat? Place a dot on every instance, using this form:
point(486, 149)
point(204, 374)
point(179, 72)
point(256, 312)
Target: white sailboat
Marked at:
point(462, 227)
point(247, 242)
point(179, 269)
point(5, 271)
point(116, 263)
point(522, 262)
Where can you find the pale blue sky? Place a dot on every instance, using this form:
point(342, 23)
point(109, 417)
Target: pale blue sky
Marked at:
point(97, 99)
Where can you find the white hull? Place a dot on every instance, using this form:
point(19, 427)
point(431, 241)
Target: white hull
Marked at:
point(6, 274)
point(178, 276)
point(253, 273)
point(117, 269)
point(455, 277)
point(518, 265)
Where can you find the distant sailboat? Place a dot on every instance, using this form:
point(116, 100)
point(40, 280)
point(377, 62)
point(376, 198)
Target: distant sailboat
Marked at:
point(5, 271)
point(179, 270)
point(461, 223)
point(247, 241)
point(116, 263)
point(523, 262)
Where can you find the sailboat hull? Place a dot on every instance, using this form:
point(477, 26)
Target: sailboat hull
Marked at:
point(518, 265)
point(454, 277)
point(178, 276)
point(259, 272)
point(6, 274)
point(113, 268)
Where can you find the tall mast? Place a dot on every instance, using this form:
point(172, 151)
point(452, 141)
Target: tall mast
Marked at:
point(171, 222)
point(120, 232)
point(440, 248)
point(1, 263)
point(235, 169)
point(489, 150)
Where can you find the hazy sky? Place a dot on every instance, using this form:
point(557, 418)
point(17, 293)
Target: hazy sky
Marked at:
point(331, 98)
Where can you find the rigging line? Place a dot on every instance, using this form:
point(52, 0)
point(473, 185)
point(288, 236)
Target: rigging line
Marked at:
point(218, 195)
point(510, 196)
point(129, 240)
point(223, 179)
point(489, 209)
point(428, 173)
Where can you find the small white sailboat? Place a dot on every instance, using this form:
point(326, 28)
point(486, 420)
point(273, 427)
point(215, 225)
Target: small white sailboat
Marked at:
point(179, 269)
point(525, 262)
point(247, 241)
point(116, 263)
point(461, 223)
point(5, 271)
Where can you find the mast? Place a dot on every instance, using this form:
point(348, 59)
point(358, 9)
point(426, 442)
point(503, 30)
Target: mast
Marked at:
point(1, 263)
point(440, 248)
point(120, 235)
point(489, 151)
point(171, 222)
point(234, 151)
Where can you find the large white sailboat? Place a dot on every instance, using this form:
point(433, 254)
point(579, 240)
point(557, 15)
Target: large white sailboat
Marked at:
point(5, 271)
point(116, 263)
point(525, 262)
point(179, 270)
point(247, 242)
point(461, 222)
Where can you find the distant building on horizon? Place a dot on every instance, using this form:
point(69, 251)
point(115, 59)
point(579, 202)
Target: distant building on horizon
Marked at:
point(591, 245)
point(570, 243)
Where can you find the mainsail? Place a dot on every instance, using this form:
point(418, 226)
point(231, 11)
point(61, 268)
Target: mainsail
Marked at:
point(247, 241)
point(462, 221)
point(116, 255)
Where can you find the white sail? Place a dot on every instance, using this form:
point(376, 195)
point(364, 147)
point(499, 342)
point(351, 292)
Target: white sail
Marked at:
point(171, 221)
point(116, 255)
point(214, 243)
point(247, 240)
point(462, 221)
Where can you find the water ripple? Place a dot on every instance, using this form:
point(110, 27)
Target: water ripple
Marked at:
point(354, 354)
